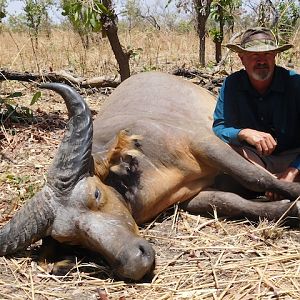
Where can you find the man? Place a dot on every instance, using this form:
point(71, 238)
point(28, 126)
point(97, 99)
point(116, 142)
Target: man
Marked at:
point(258, 108)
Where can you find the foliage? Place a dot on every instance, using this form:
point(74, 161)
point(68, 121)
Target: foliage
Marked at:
point(3, 5)
point(185, 5)
point(25, 189)
point(132, 13)
point(17, 23)
point(97, 15)
point(10, 110)
point(184, 26)
point(217, 36)
point(280, 15)
point(85, 13)
point(85, 17)
point(222, 12)
point(289, 14)
point(36, 11)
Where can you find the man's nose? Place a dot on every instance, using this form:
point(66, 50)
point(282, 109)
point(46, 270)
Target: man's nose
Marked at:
point(261, 57)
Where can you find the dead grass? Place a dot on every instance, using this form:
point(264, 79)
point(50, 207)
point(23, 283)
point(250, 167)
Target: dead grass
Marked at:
point(153, 50)
point(197, 257)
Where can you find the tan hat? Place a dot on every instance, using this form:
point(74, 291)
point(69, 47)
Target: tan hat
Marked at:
point(258, 39)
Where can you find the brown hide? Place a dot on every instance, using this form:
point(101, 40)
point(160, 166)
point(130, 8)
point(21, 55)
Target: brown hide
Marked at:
point(168, 113)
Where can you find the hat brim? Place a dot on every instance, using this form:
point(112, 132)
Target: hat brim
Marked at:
point(238, 49)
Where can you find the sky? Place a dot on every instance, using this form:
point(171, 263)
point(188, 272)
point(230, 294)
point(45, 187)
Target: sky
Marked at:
point(16, 7)
point(153, 6)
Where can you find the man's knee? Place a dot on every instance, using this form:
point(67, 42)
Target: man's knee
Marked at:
point(250, 154)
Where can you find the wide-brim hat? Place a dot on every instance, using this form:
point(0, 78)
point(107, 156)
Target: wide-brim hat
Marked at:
point(258, 39)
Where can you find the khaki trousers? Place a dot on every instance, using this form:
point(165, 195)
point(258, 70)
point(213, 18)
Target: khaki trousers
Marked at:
point(275, 164)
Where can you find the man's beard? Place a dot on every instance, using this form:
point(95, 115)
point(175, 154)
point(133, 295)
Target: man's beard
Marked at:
point(262, 72)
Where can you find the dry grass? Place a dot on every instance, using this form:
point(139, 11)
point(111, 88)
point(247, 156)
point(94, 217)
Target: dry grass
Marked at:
point(154, 50)
point(197, 257)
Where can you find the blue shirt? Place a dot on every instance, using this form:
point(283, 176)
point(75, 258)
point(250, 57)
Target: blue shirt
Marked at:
point(277, 111)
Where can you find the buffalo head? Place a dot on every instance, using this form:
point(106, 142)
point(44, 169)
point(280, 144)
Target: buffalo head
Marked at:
point(76, 207)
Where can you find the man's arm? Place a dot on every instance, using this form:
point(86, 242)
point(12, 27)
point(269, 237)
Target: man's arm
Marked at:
point(224, 118)
point(221, 127)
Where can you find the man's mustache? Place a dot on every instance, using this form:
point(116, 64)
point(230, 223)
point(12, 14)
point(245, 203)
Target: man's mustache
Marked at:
point(261, 66)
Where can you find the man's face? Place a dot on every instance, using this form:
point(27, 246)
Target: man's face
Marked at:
point(259, 66)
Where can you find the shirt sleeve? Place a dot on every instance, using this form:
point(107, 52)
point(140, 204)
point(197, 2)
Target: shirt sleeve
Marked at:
point(296, 88)
point(221, 126)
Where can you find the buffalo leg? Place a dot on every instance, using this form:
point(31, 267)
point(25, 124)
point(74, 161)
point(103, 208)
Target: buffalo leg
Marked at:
point(219, 155)
point(233, 206)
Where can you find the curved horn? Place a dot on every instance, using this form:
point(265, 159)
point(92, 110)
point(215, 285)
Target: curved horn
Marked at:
point(28, 225)
point(73, 158)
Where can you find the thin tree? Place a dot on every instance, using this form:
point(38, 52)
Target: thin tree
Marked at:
point(100, 16)
point(201, 9)
point(110, 27)
point(222, 12)
point(35, 12)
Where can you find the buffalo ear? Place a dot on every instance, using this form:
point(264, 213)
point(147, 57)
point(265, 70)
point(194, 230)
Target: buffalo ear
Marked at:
point(121, 169)
point(121, 150)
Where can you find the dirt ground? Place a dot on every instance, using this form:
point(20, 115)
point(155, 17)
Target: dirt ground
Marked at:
point(196, 257)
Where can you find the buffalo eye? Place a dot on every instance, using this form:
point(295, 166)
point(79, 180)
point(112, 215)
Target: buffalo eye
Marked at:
point(97, 195)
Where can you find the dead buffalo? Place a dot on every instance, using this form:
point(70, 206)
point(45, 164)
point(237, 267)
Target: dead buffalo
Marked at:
point(150, 147)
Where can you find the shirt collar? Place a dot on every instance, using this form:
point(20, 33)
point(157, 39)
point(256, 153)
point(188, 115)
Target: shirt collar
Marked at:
point(277, 84)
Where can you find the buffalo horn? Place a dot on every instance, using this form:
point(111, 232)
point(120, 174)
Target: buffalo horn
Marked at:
point(29, 224)
point(73, 158)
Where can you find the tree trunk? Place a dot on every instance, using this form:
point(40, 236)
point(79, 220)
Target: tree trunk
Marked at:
point(218, 51)
point(201, 33)
point(202, 9)
point(121, 57)
point(111, 30)
point(219, 39)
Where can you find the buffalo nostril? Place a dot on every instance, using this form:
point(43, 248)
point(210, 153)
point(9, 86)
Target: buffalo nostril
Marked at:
point(142, 249)
point(146, 252)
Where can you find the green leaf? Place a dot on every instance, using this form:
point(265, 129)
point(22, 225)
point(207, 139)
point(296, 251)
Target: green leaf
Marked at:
point(2, 15)
point(103, 8)
point(76, 16)
point(35, 97)
point(65, 12)
point(15, 95)
point(10, 177)
point(93, 21)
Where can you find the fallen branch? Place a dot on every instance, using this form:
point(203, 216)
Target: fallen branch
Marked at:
point(62, 77)
point(211, 82)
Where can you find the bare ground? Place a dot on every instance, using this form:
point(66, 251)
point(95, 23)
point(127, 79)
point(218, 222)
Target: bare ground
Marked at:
point(197, 257)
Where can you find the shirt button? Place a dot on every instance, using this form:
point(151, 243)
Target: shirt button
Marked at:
point(261, 118)
point(260, 98)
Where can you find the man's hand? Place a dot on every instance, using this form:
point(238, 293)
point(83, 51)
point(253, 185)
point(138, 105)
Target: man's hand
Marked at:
point(289, 175)
point(263, 142)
